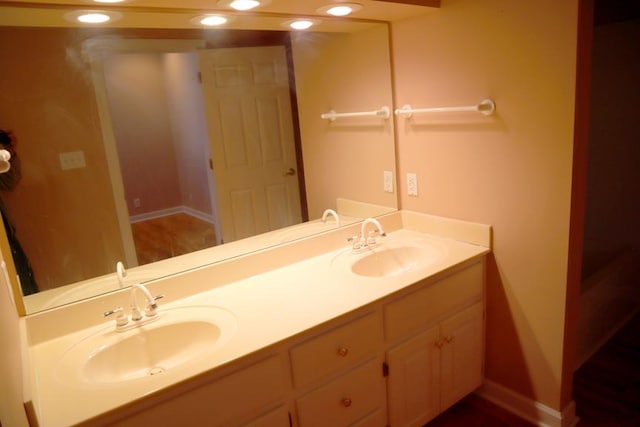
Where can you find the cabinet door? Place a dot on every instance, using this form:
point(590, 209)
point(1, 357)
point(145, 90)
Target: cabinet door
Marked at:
point(461, 357)
point(413, 382)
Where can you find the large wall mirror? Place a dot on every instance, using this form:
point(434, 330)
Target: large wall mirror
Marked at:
point(165, 146)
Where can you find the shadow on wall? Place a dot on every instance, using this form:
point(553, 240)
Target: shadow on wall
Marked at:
point(504, 344)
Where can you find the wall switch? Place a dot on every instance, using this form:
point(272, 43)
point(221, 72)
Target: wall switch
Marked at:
point(388, 181)
point(412, 184)
point(72, 160)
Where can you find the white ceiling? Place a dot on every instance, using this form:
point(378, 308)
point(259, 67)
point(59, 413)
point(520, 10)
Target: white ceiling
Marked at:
point(176, 13)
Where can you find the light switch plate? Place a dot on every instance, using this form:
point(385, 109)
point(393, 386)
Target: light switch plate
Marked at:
point(72, 160)
point(412, 184)
point(388, 181)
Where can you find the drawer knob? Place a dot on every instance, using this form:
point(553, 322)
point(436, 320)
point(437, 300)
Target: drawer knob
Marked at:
point(346, 402)
point(343, 351)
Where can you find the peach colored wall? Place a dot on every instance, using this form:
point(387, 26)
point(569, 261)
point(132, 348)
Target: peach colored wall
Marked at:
point(11, 409)
point(346, 158)
point(65, 219)
point(512, 170)
point(189, 127)
point(142, 128)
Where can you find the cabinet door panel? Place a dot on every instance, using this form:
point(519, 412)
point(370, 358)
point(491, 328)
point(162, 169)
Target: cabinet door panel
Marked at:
point(412, 385)
point(461, 355)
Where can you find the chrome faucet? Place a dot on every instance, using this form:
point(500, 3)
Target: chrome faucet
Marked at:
point(333, 213)
point(366, 240)
point(150, 310)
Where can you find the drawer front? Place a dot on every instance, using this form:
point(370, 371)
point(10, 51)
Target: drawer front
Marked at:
point(278, 417)
point(336, 349)
point(222, 402)
point(418, 309)
point(346, 400)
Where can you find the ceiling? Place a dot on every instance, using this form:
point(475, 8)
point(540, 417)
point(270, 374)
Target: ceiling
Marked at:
point(164, 12)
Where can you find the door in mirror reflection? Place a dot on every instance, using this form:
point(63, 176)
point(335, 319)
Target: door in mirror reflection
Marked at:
point(248, 105)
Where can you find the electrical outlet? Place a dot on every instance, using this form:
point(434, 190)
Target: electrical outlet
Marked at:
point(388, 181)
point(136, 202)
point(72, 160)
point(412, 184)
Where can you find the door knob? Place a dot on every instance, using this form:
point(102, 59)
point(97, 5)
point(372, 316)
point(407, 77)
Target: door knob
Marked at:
point(289, 172)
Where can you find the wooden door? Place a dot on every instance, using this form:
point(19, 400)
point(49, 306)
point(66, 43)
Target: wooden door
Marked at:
point(248, 109)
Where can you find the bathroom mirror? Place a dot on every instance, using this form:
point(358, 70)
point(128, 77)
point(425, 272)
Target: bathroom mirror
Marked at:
point(68, 208)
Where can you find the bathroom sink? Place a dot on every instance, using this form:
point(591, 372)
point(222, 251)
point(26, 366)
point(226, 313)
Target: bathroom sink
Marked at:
point(176, 338)
point(391, 258)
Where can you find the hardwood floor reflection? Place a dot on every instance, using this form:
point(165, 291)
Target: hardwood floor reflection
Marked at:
point(165, 237)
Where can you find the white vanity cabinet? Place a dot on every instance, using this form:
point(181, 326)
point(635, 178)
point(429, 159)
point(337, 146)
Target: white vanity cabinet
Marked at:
point(439, 357)
point(398, 362)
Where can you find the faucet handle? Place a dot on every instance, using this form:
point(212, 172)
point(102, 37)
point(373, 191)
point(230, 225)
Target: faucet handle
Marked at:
point(121, 318)
point(371, 238)
point(356, 242)
point(151, 309)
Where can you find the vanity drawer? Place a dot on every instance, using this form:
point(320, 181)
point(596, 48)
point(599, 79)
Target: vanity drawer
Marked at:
point(222, 402)
point(345, 401)
point(336, 350)
point(420, 308)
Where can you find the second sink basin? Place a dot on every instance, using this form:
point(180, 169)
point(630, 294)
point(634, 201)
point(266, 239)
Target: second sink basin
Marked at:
point(177, 337)
point(391, 258)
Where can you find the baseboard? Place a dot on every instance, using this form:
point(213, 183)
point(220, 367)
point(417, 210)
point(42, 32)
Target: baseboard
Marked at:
point(526, 408)
point(172, 211)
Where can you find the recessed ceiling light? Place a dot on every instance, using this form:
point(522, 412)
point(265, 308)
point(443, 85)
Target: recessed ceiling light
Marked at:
point(92, 16)
point(340, 9)
point(242, 4)
point(300, 24)
point(211, 20)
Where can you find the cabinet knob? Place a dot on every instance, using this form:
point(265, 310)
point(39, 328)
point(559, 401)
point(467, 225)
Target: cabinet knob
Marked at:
point(343, 351)
point(439, 343)
point(346, 402)
point(450, 339)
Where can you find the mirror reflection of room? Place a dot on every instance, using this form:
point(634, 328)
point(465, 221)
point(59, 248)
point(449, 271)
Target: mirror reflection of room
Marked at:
point(87, 187)
point(151, 109)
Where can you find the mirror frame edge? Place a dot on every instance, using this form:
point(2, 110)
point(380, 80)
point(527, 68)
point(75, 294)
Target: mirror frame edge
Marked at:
point(11, 274)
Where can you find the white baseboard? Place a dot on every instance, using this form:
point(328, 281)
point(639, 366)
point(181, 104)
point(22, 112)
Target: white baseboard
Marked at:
point(172, 211)
point(526, 408)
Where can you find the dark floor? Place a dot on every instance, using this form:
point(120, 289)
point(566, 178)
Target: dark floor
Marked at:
point(607, 387)
point(606, 390)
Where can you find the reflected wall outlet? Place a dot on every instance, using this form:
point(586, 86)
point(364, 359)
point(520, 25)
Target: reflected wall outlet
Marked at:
point(72, 160)
point(412, 184)
point(388, 181)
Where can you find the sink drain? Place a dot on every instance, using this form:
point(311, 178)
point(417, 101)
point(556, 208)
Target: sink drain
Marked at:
point(155, 371)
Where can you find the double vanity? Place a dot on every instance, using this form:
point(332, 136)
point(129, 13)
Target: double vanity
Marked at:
point(385, 330)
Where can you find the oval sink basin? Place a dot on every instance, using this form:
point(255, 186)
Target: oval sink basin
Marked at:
point(177, 337)
point(392, 258)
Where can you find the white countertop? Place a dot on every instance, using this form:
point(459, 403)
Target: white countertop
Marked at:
point(269, 307)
